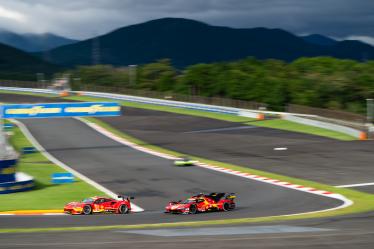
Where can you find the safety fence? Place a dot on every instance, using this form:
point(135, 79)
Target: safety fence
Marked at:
point(219, 101)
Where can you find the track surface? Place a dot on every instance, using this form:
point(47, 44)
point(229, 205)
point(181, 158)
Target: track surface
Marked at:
point(309, 157)
point(318, 159)
point(152, 180)
point(346, 233)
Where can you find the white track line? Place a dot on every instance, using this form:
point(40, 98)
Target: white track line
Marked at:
point(346, 202)
point(355, 185)
point(40, 148)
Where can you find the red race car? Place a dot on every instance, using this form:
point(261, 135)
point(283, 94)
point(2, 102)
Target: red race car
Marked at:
point(99, 205)
point(202, 203)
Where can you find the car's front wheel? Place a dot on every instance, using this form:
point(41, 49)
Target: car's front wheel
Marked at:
point(123, 209)
point(226, 206)
point(87, 209)
point(193, 209)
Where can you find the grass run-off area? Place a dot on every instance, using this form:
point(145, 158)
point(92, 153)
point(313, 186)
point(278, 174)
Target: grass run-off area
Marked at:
point(45, 195)
point(280, 124)
point(272, 123)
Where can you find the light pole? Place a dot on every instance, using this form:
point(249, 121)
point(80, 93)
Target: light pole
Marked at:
point(369, 110)
point(132, 74)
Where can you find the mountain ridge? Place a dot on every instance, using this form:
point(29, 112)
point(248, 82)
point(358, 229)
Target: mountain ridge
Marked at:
point(188, 42)
point(30, 42)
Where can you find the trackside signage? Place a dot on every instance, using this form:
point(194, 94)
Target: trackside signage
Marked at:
point(52, 110)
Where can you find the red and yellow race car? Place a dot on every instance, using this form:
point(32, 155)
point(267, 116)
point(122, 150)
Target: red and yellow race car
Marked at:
point(99, 205)
point(202, 203)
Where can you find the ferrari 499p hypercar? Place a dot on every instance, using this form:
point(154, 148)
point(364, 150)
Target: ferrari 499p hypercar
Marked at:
point(99, 205)
point(202, 203)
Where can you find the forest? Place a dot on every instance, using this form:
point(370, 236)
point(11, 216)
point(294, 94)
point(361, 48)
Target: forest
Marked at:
point(323, 82)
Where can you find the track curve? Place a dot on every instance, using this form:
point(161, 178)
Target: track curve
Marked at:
point(153, 180)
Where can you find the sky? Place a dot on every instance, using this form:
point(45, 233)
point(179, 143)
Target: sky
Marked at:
point(81, 19)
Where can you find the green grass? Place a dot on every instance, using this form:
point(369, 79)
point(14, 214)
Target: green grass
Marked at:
point(45, 195)
point(29, 93)
point(282, 124)
point(220, 116)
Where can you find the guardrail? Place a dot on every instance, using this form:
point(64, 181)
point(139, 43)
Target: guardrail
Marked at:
point(329, 126)
point(260, 115)
point(145, 100)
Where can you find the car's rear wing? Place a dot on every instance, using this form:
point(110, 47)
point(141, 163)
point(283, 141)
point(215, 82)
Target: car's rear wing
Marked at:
point(230, 196)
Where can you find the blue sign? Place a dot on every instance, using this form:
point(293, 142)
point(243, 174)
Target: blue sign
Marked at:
point(8, 126)
point(52, 110)
point(59, 178)
point(29, 150)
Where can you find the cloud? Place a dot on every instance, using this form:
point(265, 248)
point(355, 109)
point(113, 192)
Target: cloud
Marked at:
point(86, 18)
point(12, 15)
point(366, 39)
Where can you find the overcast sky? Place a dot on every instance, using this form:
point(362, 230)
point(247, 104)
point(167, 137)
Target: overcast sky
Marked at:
point(86, 18)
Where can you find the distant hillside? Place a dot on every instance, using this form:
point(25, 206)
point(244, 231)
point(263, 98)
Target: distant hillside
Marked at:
point(17, 64)
point(188, 42)
point(33, 42)
point(319, 40)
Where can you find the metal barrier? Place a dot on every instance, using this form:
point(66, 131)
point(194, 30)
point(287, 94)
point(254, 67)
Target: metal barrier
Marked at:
point(329, 126)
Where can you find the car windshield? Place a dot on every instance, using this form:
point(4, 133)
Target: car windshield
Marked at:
point(188, 201)
point(87, 200)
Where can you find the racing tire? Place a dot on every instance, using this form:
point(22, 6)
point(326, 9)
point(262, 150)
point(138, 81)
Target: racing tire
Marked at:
point(87, 210)
point(123, 209)
point(193, 209)
point(226, 207)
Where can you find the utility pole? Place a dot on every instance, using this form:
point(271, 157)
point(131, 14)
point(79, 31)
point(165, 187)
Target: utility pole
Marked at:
point(132, 74)
point(370, 110)
point(96, 51)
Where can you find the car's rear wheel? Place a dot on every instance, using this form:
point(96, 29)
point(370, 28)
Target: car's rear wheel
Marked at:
point(123, 209)
point(193, 209)
point(226, 206)
point(87, 209)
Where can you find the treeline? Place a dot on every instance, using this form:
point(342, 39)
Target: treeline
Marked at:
point(319, 82)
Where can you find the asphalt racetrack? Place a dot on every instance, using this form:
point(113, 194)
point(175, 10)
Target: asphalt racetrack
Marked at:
point(152, 180)
point(308, 157)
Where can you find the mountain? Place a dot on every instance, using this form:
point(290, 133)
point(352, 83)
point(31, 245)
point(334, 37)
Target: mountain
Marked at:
point(33, 42)
point(188, 42)
point(17, 64)
point(319, 40)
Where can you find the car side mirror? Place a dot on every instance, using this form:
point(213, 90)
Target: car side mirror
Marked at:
point(112, 203)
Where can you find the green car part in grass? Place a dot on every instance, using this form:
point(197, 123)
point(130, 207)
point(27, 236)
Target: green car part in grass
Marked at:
point(181, 162)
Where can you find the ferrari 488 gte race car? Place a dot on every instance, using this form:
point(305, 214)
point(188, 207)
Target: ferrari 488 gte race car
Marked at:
point(202, 203)
point(99, 205)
